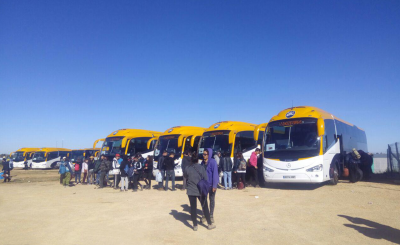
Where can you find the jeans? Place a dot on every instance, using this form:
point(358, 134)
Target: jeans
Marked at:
point(102, 179)
point(212, 202)
point(193, 209)
point(117, 179)
point(62, 176)
point(160, 184)
point(184, 183)
point(98, 178)
point(90, 176)
point(78, 176)
point(170, 174)
point(254, 175)
point(124, 183)
point(228, 178)
point(136, 181)
point(147, 178)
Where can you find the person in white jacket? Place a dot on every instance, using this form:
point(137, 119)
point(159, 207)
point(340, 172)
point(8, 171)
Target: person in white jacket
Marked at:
point(85, 167)
point(117, 174)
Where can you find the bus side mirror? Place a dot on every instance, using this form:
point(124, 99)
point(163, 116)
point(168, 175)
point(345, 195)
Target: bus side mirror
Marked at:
point(321, 126)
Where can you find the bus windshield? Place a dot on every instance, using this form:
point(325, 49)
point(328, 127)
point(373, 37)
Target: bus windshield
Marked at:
point(77, 156)
point(112, 146)
point(292, 139)
point(18, 156)
point(39, 157)
point(168, 143)
point(217, 141)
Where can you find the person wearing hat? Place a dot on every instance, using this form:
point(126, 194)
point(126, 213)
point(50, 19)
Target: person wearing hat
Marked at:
point(91, 165)
point(6, 170)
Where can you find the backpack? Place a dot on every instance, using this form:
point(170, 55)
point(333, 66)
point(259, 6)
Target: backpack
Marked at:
point(203, 185)
point(63, 169)
point(77, 167)
point(126, 169)
point(240, 185)
point(242, 165)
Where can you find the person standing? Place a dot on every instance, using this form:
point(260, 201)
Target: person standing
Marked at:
point(186, 160)
point(226, 166)
point(239, 169)
point(65, 168)
point(253, 166)
point(91, 165)
point(85, 168)
point(170, 171)
point(97, 171)
point(6, 170)
point(217, 158)
point(115, 166)
point(161, 168)
point(124, 168)
point(193, 174)
point(62, 170)
point(212, 172)
point(148, 172)
point(104, 168)
point(138, 167)
point(78, 171)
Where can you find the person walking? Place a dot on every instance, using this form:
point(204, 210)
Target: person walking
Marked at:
point(186, 160)
point(253, 168)
point(6, 170)
point(91, 165)
point(161, 168)
point(115, 169)
point(193, 174)
point(212, 172)
point(239, 169)
point(170, 171)
point(85, 168)
point(124, 169)
point(226, 166)
point(148, 172)
point(138, 167)
point(104, 168)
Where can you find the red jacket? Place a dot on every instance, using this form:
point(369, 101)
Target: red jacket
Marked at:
point(253, 159)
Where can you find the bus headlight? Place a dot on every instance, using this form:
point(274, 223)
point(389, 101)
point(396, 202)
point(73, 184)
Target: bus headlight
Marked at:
point(315, 168)
point(268, 169)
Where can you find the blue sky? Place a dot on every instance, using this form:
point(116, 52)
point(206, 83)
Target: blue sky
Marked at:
point(78, 70)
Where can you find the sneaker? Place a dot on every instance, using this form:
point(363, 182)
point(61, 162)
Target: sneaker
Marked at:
point(121, 190)
point(173, 190)
point(212, 226)
point(195, 228)
point(135, 190)
point(203, 219)
point(212, 219)
point(160, 189)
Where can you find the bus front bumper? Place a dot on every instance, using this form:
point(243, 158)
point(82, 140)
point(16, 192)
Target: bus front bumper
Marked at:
point(293, 177)
point(19, 164)
point(39, 165)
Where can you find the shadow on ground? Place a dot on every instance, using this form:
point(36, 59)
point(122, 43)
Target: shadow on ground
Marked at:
point(185, 217)
point(374, 230)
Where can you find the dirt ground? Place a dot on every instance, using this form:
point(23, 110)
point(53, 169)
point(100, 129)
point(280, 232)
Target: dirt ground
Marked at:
point(36, 209)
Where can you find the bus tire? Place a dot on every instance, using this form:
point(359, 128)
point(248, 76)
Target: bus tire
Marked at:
point(54, 165)
point(334, 173)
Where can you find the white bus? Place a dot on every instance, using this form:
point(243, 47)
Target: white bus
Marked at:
point(23, 155)
point(49, 157)
point(307, 144)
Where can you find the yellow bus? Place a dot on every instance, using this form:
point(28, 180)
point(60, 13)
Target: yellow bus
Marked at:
point(23, 155)
point(49, 157)
point(229, 138)
point(79, 155)
point(307, 144)
point(130, 142)
point(177, 140)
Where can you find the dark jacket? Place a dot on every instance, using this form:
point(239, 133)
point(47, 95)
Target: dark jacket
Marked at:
point(122, 168)
point(160, 165)
point(185, 162)
point(169, 163)
point(212, 170)
point(226, 164)
point(148, 166)
point(236, 162)
point(91, 164)
point(138, 167)
point(193, 174)
point(105, 165)
point(97, 164)
point(6, 165)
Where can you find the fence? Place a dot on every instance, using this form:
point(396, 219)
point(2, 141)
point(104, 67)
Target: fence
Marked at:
point(393, 158)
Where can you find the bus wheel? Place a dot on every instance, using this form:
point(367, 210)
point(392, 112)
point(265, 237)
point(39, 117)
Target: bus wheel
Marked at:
point(334, 173)
point(53, 165)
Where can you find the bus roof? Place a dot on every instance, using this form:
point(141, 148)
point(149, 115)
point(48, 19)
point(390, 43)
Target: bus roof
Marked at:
point(134, 133)
point(49, 149)
point(187, 130)
point(26, 149)
point(87, 149)
point(306, 111)
point(232, 125)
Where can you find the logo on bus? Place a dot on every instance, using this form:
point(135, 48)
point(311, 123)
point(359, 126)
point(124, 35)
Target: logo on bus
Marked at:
point(169, 131)
point(115, 132)
point(216, 126)
point(288, 165)
point(290, 114)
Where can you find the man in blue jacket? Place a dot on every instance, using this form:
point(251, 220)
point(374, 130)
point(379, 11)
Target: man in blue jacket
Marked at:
point(212, 173)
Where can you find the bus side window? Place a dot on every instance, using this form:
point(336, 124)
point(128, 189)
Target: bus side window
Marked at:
point(52, 155)
point(244, 141)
